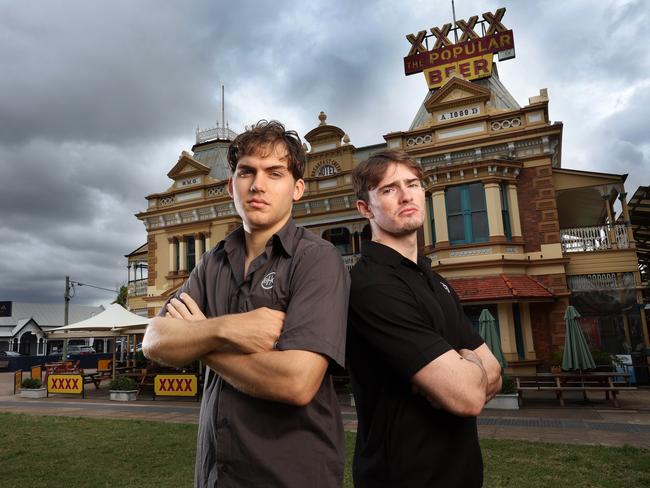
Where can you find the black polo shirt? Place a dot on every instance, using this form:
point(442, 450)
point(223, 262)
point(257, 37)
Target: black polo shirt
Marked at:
point(402, 316)
point(245, 441)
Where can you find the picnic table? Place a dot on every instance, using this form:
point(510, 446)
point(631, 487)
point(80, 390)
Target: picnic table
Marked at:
point(608, 382)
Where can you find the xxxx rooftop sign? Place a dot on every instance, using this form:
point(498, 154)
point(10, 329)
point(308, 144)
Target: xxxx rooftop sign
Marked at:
point(470, 57)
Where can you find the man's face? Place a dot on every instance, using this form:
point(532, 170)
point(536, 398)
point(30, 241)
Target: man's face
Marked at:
point(396, 205)
point(264, 190)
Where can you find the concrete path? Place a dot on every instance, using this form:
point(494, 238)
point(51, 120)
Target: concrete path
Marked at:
point(541, 419)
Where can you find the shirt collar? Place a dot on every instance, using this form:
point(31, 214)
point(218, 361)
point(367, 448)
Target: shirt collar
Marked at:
point(387, 255)
point(284, 238)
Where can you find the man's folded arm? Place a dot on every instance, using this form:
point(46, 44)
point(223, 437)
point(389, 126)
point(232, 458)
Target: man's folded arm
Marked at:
point(394, 327)
point(292, 376)
point(492, 370)
point(454, 381)
point(185, 334)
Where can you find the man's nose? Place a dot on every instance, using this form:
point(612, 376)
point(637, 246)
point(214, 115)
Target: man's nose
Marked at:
point(405, 194)
point(258, 184)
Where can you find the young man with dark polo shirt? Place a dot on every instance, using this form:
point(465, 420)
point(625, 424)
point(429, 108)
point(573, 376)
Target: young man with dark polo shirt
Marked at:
point(420, 374)
point(266, 310)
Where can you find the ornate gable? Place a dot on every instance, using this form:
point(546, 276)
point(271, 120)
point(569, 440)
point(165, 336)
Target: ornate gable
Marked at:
point(187, 167)
point(455, 92)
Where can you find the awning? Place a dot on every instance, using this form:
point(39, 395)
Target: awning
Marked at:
point(501, 287)
point(114, 321)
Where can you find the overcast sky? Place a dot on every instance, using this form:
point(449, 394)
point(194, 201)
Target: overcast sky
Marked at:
point(98, 99)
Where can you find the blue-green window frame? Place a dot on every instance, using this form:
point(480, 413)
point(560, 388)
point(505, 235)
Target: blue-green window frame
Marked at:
point(467, 211)
point(433, 219)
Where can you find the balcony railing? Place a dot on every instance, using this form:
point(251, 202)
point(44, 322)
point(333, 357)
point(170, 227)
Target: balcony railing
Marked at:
point(350, 260)
point(584, 239)
point(137, 288)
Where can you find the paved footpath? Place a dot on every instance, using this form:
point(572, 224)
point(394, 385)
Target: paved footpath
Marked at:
point(541, 419)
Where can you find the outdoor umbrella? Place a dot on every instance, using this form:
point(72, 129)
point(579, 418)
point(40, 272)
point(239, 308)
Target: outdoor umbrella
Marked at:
point(576, 351)
point(487, 327)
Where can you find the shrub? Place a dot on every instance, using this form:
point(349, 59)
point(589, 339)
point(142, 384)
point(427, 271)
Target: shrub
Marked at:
point(31, 383)
point(123, 383)
point(508, 385)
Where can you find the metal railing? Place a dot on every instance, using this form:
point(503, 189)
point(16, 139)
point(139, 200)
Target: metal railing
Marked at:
point(137, 288)
point(585, 239)
point(350, 260)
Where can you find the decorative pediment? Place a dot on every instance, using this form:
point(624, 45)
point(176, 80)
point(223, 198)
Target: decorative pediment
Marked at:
point(187, 167)
point(325, 137)
point(456, 91)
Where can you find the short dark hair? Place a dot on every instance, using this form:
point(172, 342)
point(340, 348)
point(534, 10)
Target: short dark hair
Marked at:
point(261, 139)
point(367, 175)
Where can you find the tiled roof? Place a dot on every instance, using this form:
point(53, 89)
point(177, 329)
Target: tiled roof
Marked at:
point(502, 287)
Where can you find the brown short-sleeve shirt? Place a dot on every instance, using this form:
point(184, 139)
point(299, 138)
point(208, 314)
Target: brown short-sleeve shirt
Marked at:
point(245, 441)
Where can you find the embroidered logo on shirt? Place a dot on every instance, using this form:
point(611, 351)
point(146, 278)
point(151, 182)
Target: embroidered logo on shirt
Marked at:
point(446, 288)
point(267, 282)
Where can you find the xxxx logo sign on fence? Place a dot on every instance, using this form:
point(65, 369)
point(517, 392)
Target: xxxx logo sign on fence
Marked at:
point(176, 385)
point(65, 383)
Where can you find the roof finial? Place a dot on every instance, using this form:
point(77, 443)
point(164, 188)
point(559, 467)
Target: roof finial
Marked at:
point(322, 117)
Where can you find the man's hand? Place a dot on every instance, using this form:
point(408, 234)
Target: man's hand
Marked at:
point(187, 309)
point(255, 331)
point(249, 332)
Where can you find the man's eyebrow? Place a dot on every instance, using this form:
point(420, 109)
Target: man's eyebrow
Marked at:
point(396, 183)
point(277, 167)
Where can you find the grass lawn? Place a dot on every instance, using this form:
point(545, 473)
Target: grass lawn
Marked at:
point(57, 452)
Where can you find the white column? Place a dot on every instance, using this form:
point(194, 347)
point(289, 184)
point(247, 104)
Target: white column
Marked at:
point(182, 254)
point(507, 332)
point(440, 216)
point(172, 254)
point(198, 246)
point(513, 210)
point(493, 204)
point(207, 242)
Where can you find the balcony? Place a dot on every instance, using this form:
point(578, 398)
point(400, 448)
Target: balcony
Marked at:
point(598, 238)
point(350, 260)
point(137, 288)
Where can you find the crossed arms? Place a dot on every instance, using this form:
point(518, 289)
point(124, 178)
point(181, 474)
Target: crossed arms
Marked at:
point(238, 347)
point(459, 381)
point(264, 353)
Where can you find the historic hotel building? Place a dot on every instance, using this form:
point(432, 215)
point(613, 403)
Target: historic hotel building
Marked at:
point(512, 230)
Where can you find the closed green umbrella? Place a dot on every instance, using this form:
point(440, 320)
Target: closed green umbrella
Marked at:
point(487, 327)
point(576, 351)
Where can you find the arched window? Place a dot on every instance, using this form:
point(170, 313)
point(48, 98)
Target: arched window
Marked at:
point(326, 170)
point(341, 238)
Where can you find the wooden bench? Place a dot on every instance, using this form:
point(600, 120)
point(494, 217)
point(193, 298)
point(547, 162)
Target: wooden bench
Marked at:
point(610, 383)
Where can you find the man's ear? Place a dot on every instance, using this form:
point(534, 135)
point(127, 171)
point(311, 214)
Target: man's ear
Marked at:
point(298, 189)
point(230, 187)
point(364, 209)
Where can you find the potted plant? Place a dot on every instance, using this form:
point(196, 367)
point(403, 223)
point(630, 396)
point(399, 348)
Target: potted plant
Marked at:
point(604, 360)
point(123, 389)
point(32, 388)
point(556, 361)
point(508, 399)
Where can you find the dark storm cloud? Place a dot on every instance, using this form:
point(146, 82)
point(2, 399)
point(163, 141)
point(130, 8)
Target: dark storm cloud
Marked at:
point(98, 99)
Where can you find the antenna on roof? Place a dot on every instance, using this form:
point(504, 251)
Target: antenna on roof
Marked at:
point(453, 12)
point(223, 110)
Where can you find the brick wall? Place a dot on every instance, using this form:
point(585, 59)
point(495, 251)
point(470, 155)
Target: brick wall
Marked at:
point(537, 207)
point(151, 260)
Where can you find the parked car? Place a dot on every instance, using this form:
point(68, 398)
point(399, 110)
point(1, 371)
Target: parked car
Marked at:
point(4, 357)
point(81, 350)
point(75, 349)
point(11, 354)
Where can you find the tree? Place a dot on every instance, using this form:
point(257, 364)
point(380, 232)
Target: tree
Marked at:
point(121, 296)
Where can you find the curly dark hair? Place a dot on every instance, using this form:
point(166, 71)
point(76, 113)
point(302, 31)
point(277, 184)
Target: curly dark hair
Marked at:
point(367, 175)
point(260, 140)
